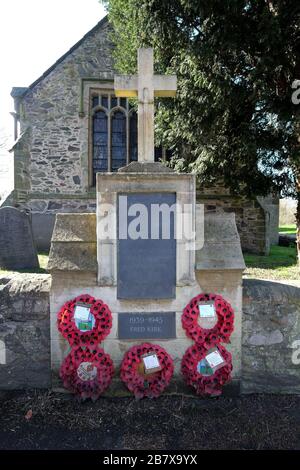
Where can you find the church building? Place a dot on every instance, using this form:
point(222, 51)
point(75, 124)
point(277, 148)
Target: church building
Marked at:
point(69, 125)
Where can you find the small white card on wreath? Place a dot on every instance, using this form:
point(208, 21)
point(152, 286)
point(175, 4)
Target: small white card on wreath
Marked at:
point(151, 363)
point(83, 317)
point(207, 315)
point(214, 359)
point(207, 310)
point(82, 312)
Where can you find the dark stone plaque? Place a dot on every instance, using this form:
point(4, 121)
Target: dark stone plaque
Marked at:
point(17, 250)
point(147, 325)
point(146, 266)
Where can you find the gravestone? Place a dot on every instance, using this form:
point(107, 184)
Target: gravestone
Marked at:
point(17, 249)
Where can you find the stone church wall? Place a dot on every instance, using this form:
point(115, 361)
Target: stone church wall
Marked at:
point(270, 335)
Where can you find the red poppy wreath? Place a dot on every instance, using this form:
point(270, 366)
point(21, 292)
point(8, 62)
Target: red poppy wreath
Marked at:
point(209, 384)
point(87, 373)
point(133, 374)
point(222, 329)
point(100, 324)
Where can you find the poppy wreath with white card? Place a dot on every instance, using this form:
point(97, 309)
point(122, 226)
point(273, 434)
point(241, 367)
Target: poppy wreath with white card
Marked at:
point(87, 373)
point(206, 371)
point(223, 327)
point(146, 370)
point(93, 324)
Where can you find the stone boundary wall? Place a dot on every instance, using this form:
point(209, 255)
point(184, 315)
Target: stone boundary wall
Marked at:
point(25, 331)
point(271, 328)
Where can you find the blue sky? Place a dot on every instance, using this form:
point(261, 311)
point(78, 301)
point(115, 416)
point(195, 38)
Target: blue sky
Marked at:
point(33, 35)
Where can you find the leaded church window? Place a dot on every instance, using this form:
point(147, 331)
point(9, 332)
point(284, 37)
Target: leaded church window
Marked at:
point(114, 134)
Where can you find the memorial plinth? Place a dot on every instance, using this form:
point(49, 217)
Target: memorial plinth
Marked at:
point(81, 263)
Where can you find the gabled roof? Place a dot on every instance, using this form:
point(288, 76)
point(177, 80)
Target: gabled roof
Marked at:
point(20, 92)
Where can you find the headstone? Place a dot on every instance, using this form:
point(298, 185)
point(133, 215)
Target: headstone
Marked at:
point(147, 325)
point(17, 249)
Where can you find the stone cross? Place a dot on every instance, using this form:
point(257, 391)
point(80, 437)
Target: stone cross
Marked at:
point(145, 86)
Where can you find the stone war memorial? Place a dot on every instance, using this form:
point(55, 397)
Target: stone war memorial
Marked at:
point(146, 294)
point(145, 301)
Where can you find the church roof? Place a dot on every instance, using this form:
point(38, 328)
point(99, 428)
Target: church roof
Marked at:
point(20, 92)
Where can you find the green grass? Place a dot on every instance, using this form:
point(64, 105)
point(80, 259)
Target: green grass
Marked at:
point(288, 229)
point(280, 264)
point(43, 260)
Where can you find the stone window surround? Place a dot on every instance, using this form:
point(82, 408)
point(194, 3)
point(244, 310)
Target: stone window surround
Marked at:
point(88, 85)
point(111, 185)
point(104, 82)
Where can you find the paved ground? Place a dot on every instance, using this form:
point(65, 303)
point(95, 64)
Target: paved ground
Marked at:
point(44, 420)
